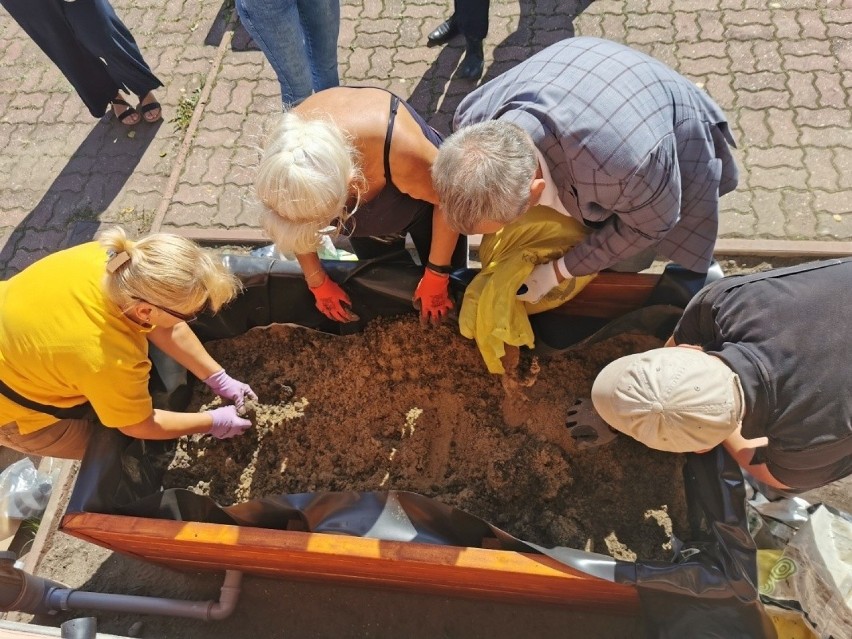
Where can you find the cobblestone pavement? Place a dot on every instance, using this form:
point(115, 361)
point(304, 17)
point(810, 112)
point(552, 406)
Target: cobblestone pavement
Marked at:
point(782, 70)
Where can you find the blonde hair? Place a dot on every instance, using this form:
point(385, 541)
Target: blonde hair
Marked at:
point(303, 181)
point(167, 270)
point(484, 172)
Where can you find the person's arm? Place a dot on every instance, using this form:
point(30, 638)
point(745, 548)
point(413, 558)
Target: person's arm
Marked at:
point(412, 155)
point(183, 346)
point(222, 423)
point(742, 450)
point(646, 210)
point(330, 298)
point(164, 424)
point(312, 269)
point(444, 239)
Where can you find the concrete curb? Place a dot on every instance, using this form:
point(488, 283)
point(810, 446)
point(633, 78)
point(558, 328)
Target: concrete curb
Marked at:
point(16, 630)
point(53, 514)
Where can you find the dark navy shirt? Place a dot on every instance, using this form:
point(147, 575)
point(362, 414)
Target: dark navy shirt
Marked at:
point(786, 333)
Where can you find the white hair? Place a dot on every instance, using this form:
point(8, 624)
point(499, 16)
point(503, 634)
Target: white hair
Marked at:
point(484, 172)
point(304, 180)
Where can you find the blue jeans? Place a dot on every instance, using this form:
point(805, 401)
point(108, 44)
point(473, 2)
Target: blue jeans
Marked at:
point(299, 38)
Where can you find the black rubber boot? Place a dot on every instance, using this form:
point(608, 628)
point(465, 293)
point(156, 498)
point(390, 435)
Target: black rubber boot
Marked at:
point(474, 61)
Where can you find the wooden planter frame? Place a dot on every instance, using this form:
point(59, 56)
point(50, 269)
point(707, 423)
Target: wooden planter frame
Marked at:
point(426, 568)
point(471, 572)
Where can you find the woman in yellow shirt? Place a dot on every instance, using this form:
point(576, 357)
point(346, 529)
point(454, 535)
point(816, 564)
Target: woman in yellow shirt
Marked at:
point(74, 334)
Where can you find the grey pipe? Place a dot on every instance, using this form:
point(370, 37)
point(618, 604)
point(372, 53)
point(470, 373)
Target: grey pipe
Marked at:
point(27, 593)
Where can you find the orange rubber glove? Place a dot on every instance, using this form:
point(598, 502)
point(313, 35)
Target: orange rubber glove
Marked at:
point(330, 300)
point(432, 297)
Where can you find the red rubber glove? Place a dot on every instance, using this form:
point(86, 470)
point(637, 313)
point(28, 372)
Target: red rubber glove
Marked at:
point(432, 297)
point(330, 300)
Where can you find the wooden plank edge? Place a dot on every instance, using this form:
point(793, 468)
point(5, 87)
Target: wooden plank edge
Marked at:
point(733, 247)
point(817, 249)
point(469, 572)
point(51, 519)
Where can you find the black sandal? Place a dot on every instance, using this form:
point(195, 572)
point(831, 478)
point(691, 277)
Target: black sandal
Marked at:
point(147, 108)
point(127, 113)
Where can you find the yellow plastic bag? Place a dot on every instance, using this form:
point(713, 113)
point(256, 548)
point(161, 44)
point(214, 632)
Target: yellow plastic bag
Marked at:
point(491, 313)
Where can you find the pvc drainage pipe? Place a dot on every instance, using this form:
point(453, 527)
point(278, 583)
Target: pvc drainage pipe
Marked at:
point(24, 592)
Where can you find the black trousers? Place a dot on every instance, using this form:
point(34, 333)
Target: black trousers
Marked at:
point(472, 18)
point(88, 42)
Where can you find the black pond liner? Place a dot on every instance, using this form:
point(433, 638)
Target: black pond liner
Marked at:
point(707, 590)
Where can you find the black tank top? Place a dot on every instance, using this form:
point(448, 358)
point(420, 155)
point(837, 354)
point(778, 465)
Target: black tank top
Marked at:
point(391, 211)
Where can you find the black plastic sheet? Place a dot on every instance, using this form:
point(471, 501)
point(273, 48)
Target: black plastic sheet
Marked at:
point(708, 590)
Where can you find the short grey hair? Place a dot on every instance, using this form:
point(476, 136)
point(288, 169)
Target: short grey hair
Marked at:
point(304, 180)
point(484, 172)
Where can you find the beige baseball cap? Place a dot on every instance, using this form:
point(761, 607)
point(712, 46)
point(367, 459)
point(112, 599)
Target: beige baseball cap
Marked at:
point(676, 399)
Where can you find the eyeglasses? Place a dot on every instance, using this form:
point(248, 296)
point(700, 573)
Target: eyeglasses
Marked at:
point(181, 316)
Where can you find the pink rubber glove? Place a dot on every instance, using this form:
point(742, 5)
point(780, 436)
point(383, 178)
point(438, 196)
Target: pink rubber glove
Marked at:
point(330, 300)
point(227, 387)
point(432, 297)
point(226, 423)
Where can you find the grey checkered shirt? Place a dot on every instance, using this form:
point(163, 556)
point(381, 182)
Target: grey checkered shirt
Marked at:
point(637, 151)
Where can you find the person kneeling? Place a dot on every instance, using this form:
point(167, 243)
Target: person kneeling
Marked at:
point(758, 363)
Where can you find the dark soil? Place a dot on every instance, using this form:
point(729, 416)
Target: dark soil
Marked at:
point(402, 407)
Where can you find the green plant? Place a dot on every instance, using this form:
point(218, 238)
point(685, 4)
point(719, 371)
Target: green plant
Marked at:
point(185, 108)
point(27, 534)
point(30, 526)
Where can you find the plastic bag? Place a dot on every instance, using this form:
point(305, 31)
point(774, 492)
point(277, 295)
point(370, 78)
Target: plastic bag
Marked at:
point(491, 313)
point(813, 573)
point(24, 493)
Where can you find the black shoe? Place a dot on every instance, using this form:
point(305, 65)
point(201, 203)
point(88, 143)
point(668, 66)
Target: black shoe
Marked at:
point(445, 32)
point(474, 61)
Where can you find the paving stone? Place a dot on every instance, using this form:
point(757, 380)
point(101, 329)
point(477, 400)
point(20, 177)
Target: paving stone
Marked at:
point(771, 221)
point(782, 127)
point(766, 55)
point(218, 167)
point(836, 202)
point(843, 166)
point(833, 226)
point(775, 156)
point(803, 91)
point(822, 171)
point(777, 178)
point(826, 137)
point(831, 90)
point(762, 99)
point(800, 222)
point(782, 71)
point(786, 25)
point(758, 81)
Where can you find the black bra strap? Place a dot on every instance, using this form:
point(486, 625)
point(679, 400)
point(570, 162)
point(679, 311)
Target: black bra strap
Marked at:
point(394, 107)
